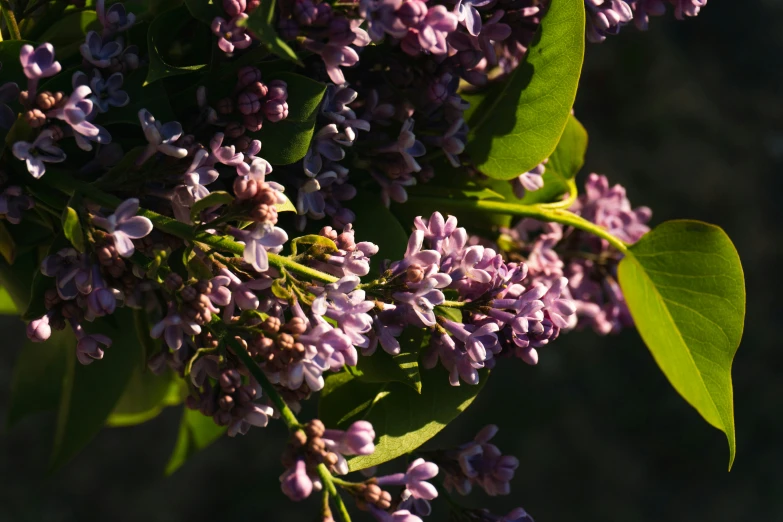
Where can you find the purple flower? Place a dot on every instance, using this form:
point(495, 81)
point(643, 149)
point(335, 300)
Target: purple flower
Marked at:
point(408, 146)
point(358, 439)
point(77, 112)
point(605, 17)
point(262, 238)
point(38, 330)
point(531, 180)
point(98, 53)
point(643, 9)
point(71, 272)
point(101, 300)
point(198, 175)
point(468, 15)
point(323, 144)
point(114, 20)
point(242, 293)
point(295, 482)
point(35, 154)
point(38, 62)
point(231, 34)
point(173, 328)
point(226, 154)
point(334, 57)
point(424, 299)
point(684, 8)
point(13, 202)
point(9, 92)
point(161, 137)
point(428, 33)
point(402, 515)
point(493, 31)
point(125, 225)
point(414, 479)
point(89, 348)
point(106, 93)
point(517, 515)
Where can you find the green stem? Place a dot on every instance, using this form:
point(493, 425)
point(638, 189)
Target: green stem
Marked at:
point(454, 304)
point(285, 412)
point(573, 193)
point(288, 417)
point(328, 482)
point(556, 215)
point(10, 20)
point(175, 228)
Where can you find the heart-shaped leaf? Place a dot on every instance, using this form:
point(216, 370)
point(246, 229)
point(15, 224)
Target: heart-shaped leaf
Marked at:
point(685, 288)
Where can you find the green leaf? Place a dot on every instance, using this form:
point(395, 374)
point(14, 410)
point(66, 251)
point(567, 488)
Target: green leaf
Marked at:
point(312, 244)
point(126, 171)
point(72, 229)
point(7, 306)
point(403, 367)
point(214, 199)
point(17, 279)
point(203, 10)
point(150, 96)
point(261, 22)
point(145, 397)
point(685, 288)
point(159, 37)
point(7, 245)
point(563, 165)
point(516, 124)
point(285, 206)
point(380, 227)
point(403, 419)
point(196, 432)
point(90, 393)
point(287, 141)
point(67, 34)
point(37, 380)
point(9, 57)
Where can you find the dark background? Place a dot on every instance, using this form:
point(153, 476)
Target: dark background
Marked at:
point(689, 117)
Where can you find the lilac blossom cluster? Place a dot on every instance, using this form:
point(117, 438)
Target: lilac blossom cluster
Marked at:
point(552, 252)
point(606, 17)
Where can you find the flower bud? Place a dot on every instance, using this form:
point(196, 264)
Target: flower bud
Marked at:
point(358, 439)
point(245, 188)
point(295, 483)
point(234, 7)
point(39, 330)
point(412, 13)
point(248, 103)
point(102, 302)
point(253, 122)
point(258, 88)
point(248, 75)
point(278, 90)
point(275, 110)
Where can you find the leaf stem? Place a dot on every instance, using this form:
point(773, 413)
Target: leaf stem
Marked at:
point(10, 20)
point(556, 215)
point(171, 226)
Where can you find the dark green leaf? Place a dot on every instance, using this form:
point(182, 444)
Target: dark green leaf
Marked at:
point(17, 279)
point(564, 163)
point(72, 229)
point(287, 141)
point(196, 432)
point(126, 171)
point(7, 245)
point(159, 36)
point(261, 22)
point(145, 397)
point(9, 57)
point(403, 367)
point(214, 199)
point(381, 227)
point(37, 380)
point(90, 393)
point(67, 34)
point(685, 288)
point(504, 142)
point(152, 96)
point(403, 420)
point(204, 10)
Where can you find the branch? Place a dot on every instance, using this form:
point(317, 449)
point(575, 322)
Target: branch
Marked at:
point(10, 20)
point(556, 215)
point(171, 226)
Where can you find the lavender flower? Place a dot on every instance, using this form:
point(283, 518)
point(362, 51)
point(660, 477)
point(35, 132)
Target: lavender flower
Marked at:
point(424, 299)
point(77, 112)
point(99, 52)
point(71, 272)
point(35, 154)
point(174, 327)
point(105, 93)
point(13, 202)
point(38, 63)
point(414, 479)
point(356, 440)
point(295, 482)
point(124, 225)
point(262, 238)
point(468, 15)
point(408, 146)
point(161, 137)
point(89, 348)
point(114, 20)
point(529, 181)
point(232, 34)
point(605, 17)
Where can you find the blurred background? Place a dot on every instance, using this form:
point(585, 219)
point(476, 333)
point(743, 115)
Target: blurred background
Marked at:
point(689, 117)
